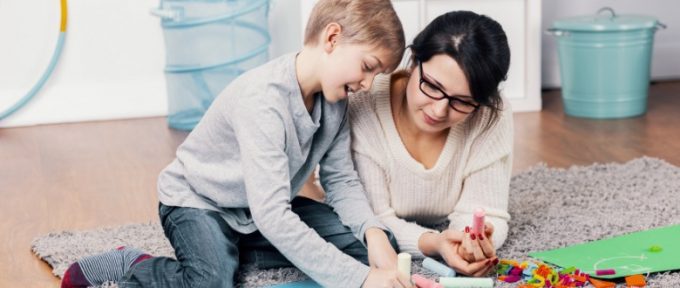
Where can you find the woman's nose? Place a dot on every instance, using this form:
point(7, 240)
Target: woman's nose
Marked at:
point(441, 107)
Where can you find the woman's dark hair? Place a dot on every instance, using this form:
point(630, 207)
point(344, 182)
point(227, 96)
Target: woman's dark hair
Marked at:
point(479, 45)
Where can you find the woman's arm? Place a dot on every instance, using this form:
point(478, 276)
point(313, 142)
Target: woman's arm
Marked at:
point(486, 182)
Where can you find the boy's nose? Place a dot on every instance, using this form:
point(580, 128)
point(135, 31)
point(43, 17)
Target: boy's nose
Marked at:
point(366, 83)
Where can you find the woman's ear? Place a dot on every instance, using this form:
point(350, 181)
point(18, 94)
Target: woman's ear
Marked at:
point(331, 36)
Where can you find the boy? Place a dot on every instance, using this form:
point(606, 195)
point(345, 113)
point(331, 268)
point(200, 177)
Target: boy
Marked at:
point(229, 196)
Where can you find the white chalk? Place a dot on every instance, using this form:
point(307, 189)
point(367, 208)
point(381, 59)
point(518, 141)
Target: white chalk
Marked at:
point(404, 264)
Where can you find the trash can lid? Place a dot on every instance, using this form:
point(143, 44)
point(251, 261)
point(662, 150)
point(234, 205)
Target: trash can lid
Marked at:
point(606, 22)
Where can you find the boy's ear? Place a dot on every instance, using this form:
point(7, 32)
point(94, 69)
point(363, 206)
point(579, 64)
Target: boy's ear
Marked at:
point(331, 36)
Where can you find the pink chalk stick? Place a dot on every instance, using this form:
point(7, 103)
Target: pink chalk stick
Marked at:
point(478, 221)
point(605, 272)
point(423, 282)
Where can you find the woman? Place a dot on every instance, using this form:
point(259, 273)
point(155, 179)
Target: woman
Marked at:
point(433, 142)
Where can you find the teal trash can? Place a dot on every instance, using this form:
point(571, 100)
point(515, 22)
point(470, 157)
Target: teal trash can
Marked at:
point(605, 63)
point(208, 43)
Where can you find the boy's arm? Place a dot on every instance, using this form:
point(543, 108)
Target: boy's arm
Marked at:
point(344, 191)
point(261, 136)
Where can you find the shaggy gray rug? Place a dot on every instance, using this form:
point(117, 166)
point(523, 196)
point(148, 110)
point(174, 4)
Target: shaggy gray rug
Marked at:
point(551, 208)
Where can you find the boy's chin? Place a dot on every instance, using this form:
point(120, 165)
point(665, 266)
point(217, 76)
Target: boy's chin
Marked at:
point(334, 97)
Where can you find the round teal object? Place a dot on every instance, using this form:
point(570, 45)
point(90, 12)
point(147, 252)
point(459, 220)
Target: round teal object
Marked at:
point(606, 23)
point(605, 63)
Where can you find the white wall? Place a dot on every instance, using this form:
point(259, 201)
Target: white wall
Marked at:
point(284, 17)
point(666, 57)
point(112, 64)
point(520, 20)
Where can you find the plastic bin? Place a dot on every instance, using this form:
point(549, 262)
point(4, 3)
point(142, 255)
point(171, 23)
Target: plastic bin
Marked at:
point(208, 43)
point(605, 63)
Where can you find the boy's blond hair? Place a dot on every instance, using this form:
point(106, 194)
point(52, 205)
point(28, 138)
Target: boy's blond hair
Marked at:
point(362, 22)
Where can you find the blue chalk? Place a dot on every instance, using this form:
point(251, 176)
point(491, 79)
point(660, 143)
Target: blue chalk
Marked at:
point(298, 284)
point(439, 268)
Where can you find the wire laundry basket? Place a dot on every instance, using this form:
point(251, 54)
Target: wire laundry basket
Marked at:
point(208, 43)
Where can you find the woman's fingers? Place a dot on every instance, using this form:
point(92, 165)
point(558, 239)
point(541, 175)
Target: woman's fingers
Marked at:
point(472, 268)
point(465, 248)
point(485, 270)
point(456, 261)
point(487, 247)
point(453, 235)
point(488, 229)
point(476, 248)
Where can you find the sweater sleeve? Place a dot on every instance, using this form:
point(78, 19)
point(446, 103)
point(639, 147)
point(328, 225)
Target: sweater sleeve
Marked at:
point(260, 132)
point(344, 191)
point(375, 182)
point(486, 183)
point(487, 189)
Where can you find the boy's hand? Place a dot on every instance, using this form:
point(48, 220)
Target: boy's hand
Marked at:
point(380, 252)
point(386, 278)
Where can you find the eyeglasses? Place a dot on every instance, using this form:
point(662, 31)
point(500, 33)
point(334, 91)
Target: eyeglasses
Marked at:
point(434, 92)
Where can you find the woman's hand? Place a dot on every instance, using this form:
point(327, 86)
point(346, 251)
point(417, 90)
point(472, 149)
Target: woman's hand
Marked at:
point(446, 244)
point(477, 247)
point(474, 269)
point(380, 252)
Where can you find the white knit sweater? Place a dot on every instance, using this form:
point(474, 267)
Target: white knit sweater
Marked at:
point(473, 170)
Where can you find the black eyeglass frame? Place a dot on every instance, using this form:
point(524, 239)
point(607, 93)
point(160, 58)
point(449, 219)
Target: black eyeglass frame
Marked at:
point(452, 99)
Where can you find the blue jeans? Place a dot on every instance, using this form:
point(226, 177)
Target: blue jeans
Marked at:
point(208, 251)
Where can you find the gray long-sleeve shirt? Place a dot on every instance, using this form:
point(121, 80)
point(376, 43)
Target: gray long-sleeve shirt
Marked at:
point(251, 153)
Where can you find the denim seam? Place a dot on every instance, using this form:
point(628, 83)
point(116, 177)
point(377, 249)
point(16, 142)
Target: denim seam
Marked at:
point(184, 242)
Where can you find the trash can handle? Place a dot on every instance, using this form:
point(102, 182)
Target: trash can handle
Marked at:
point(556, 32)
point(660, 25)
point(165, 14)
point(607, 9)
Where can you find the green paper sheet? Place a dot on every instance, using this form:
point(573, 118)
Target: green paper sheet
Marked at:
point(628, 254)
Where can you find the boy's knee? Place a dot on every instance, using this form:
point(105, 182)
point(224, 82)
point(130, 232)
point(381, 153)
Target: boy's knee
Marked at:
point(210, 274)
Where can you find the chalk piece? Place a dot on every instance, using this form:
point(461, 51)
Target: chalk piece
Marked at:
point(449, 282)
point(423, 282)
point(605, 272)
point(439, 268)
point(404, 264)
point(478, 221)
point(636, 281)
point(512, 279)
point(602, 284)
point(515, 271)
point(655, 248)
